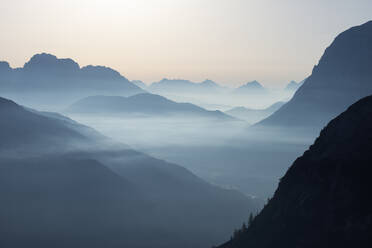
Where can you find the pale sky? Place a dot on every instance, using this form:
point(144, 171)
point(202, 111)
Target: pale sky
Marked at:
point(228, 41)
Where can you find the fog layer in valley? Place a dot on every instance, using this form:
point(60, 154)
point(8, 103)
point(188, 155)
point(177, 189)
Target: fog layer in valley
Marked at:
point(226, 153)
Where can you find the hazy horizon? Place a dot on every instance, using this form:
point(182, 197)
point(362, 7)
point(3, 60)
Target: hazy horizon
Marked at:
point(230, 42)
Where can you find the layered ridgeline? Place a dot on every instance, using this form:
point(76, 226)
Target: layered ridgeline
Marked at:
point(293, 85)
point(142, 105)
point(65, 185)
point(323, 199)
point(45, 75)
point(254, 115)
point(342, 77)
point(181, 86)
point(253, 87)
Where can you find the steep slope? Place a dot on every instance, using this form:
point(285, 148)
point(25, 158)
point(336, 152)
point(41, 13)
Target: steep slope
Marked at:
point(77, 188)
point(141, 104)
point(323, 200)
point(58, 201)
point(342, 77)
point(254, 115)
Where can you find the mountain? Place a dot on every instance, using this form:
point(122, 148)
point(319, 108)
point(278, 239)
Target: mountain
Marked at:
point(342, 77)
point(44, 76)
point(293, 85)
point(65, 185)
point(181, 86)
point(254, 115)
point(253, 87)
point(323, 199)
point(140, 84)
point(142, 104)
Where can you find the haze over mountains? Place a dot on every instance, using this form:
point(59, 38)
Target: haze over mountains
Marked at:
point(322, 201)
point(293, 85)
point(163, 170)
point(89, 186)
point(145, 104)
point(179, 85)
point(254, 115)
point(253, 87)
point(47, 76)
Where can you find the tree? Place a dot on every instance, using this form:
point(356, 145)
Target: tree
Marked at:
point(250, 220)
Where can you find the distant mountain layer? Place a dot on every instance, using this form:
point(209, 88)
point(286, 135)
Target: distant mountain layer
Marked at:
point(185, 86)
point(342, 77)
point(65, 185)
point(141, 104)
point(254, 115)
point(253, 87)
point(45, 72)
point(140, 84)
point(323, 200)
point(293, 85)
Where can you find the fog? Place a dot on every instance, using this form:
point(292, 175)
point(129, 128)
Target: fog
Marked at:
point(231, 154)
point(226, 100)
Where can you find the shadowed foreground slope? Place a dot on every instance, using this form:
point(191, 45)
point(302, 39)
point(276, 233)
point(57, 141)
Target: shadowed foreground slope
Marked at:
point(64, 185)
point(324, 198)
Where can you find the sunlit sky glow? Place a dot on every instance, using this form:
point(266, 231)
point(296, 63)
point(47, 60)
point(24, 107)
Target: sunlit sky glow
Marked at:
point(229, 41)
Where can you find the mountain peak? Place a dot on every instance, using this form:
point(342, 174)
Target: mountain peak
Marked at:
point(254, 83)
point(46, 61)
point(292, 85)
point(342, 76)
point(209, 83)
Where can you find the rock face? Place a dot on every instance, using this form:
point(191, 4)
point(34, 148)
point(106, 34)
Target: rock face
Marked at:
point(342, 77)
point(324, 198)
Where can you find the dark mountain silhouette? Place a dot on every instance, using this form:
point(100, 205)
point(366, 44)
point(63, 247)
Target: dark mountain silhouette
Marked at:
point(323, 199)
point(44, 76)
point(142, 104)
point(182, 86)
point(64, 185)
point(253, 87)
point(254, 115)
point(342, 77)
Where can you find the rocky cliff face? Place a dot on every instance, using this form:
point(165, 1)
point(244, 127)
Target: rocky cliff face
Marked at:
point(324, 198)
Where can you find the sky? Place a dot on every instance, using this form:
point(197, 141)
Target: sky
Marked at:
point(228, 41)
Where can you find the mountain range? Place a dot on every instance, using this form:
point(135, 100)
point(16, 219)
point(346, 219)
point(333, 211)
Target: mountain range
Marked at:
point(64, 184)
point(142, 105)
point(184, 86)
point(323, 199)
point(47, 76)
